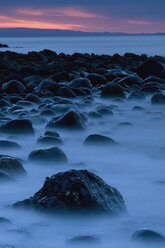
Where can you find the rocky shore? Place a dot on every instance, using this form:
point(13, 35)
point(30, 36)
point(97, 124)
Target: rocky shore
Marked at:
point(62, 93)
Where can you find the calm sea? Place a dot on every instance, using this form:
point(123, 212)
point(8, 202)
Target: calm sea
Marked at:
point(149, 44)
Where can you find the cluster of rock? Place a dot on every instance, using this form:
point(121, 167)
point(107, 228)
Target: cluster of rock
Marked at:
point(3, 45)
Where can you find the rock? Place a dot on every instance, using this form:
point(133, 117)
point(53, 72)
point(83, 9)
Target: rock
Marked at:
point(112, 91)
point(138, 108)
point(11, 166)
point(151, 67)
point(3, 45)
point(71, 120)
point(158, 99)
point(49, 141)
point(52, 155)
point(96, 79)
point(104, 110)
point(136, 95)
point(9, 145)
point(61, 76)
point(83, 240)
point(4, 221)
point(99, 140)
point(45, 84)
point(66, 92)
point(18, 127)
point(130, 80)
point(4, 103)
point(33, 98)
point(146, 235)
point(47, 113)
point(53, 134)
point(77, 191)
point(4, 177)
point(13, 87)
point(81, 83)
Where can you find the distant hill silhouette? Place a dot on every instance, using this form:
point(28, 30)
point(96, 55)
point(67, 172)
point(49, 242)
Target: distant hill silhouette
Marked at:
point(30, 32)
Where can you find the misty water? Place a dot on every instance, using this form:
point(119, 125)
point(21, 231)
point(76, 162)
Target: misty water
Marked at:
point(135, 168)
point(139, 44)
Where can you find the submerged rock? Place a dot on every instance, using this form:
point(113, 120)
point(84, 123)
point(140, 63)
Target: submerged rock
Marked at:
point(77, 191)
point(146, 235)
point(99, 140)
point(158, 99)
point(11, 166)
point(49, 140)
point(52, 155)
point(5, 144)
point(83, 240)
point(19, 127)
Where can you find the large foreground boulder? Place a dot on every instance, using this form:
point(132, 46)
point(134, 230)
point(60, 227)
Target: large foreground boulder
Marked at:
point(78, 191)
point(21, 127)
point(52, 155)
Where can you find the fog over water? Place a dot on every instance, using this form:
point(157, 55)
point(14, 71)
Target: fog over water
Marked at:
point(135, 168)
point(148, 44)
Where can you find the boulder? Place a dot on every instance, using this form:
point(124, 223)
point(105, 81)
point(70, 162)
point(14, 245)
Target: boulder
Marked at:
point(13, 87)
point(9, 145)
point(83, 240)
point(18, 127)
point(99, 140)
point(81, 83)
point(147, 235)
point(71, 120)
point(77, 191)
point(33, 98)
point(158, 99)
point(66, 92)
point(112, 91)
point(151, 67)
point(52, 155)
point(11, 166)
point(96, 79)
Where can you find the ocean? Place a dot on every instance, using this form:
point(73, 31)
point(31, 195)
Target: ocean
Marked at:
point(139, 44)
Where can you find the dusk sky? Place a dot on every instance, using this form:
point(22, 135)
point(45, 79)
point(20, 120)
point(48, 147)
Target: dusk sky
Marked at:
point(133, 16)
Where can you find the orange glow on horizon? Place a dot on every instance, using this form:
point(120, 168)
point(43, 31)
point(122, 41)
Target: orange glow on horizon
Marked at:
point(7, 22)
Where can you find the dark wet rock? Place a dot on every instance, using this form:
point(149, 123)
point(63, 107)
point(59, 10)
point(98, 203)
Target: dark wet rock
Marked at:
point(99, 140)
point(11, 166)
point(77, 191)
point(62, 76)
point(3, 45)
point(130, 80)
point(15, 99)
point(158, 99)
point(81, 83)
point(9, 145)
point(146, 235)
point(49, 141)
point(151, 67)
point(136, 95)
point(104, 110)
point(66, 92)
point(32, 98)
point(96, 79)
point(25, 104)
point(112, 91)
point(84, 240)
point(52, 155)
point(51, 133)
point(18, 127)
point(47, 113)
point(138, 108)
point(13, 87)
point(45, 84)
point(150, 87)
point(154, 79)
point(4, 103)
point(71, 120)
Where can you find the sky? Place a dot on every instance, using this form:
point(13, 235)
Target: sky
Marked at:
point(130, 16)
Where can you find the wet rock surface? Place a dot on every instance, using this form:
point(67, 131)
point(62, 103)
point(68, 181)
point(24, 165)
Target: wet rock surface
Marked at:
point(77, 191)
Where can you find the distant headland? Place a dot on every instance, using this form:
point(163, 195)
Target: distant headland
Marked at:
point(32, 32)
